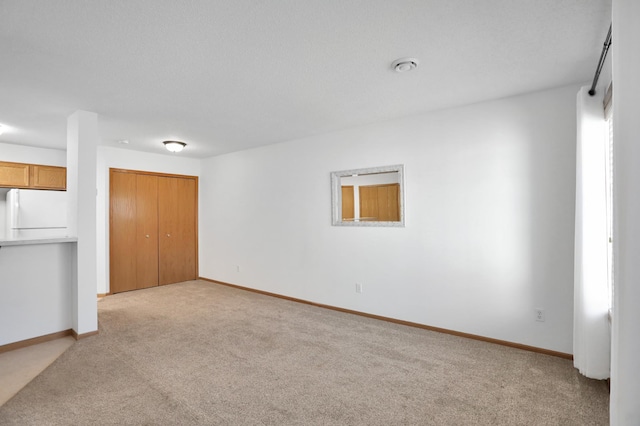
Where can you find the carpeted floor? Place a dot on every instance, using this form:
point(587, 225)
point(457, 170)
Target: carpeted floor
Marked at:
point(202, 353)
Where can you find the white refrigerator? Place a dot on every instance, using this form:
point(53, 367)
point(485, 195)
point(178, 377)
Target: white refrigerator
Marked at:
point(34, 214)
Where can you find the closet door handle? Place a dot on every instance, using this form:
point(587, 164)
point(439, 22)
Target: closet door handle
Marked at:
point(146, 236)
point(168, 235)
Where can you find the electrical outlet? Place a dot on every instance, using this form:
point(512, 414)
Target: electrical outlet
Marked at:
point(540, 314)
point(358, 288)
point(237, 268)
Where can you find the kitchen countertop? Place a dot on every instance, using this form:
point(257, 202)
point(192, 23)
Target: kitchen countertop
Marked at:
point(27, 241)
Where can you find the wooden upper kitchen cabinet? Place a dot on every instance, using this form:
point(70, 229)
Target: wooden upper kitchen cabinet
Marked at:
point(14, 175)
point(48, 177)
point(32, 176)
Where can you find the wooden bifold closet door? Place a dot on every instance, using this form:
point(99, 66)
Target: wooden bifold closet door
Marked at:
point(153, 229)
point(176, 214)
point(146, 231)
point(380, 202)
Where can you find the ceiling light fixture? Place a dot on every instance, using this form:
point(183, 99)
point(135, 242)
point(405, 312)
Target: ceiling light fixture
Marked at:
point(405, 64)
point(174, 146)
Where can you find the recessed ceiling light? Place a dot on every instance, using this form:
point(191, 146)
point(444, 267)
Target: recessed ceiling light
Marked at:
point(405, 64)
point(174, 146)
point(124, 141)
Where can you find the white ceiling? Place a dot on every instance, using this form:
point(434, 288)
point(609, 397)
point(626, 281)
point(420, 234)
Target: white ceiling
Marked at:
point(227, 75)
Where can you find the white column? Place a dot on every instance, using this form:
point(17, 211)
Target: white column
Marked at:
point(625, 368)
point(82, 141)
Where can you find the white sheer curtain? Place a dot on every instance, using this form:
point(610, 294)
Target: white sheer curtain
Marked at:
point(591, 331)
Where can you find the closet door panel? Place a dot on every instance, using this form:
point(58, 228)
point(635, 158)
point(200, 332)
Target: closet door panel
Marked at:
point(187, 228)
point(167, 215)
point(146, 231)
point(348, 203)
point(388, 202)
point(368, 203)
point(177, 229)
point(122, 225)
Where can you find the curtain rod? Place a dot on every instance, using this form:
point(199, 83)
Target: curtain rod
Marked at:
point(603, 55)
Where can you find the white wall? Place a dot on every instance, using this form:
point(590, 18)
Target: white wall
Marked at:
point(32, 155)
point(26, 154)
point(489, 220)
point(625, 373)
point(109, 157)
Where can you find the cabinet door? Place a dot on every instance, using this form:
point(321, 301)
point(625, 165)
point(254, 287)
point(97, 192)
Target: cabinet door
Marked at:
point(122, 229)
point(14, 175)
point(48, 177)
point(146, 231)
point(177, 215)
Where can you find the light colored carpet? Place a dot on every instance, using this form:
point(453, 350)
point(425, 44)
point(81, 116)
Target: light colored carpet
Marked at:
point(202, 353)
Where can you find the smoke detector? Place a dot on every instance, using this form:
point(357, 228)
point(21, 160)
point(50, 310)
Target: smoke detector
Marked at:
point(405, 64)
